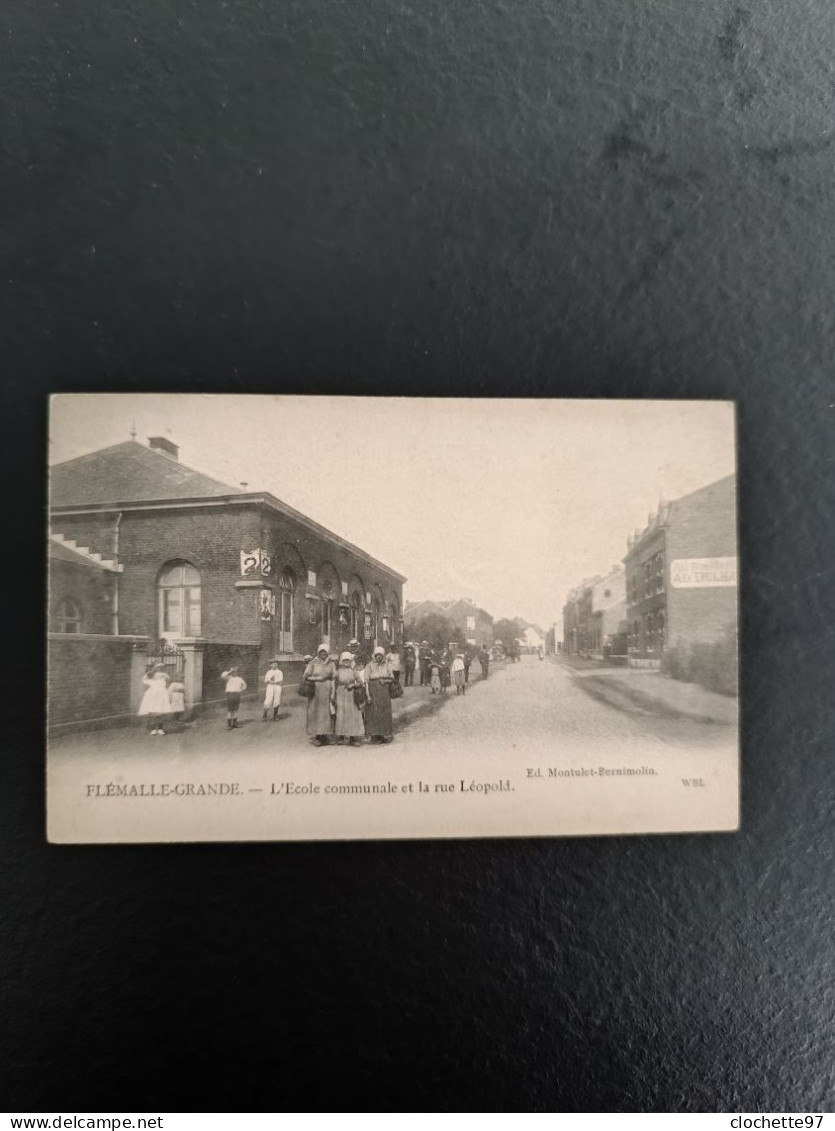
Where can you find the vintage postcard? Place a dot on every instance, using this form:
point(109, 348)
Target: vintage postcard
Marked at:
point(322, 618)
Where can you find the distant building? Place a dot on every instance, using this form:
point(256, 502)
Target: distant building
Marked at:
point(474, 624)
point(607, 630)
point(594, 616)
point(681, 574)
point(152, 560)
point(531, 636)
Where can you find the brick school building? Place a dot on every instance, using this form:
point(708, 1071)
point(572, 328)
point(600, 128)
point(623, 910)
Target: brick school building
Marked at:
point(152, 561)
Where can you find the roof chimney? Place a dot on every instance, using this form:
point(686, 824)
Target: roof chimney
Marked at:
point(160, 444)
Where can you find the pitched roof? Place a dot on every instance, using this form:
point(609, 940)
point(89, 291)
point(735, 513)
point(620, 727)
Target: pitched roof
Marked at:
point(422, 608)
point(443, 607)
point(129, 473)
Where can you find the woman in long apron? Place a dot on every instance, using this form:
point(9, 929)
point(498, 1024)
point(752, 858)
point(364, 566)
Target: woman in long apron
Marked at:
point(320, 672)
point(349, 723)
point(378, 676)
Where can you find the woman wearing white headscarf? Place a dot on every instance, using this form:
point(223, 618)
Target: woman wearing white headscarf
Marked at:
point(349, 722)
point(320, 672)
point(459, 674)
point(378, 676)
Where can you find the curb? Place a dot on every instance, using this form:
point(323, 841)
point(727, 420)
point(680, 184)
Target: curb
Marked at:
point(413, 711)
point(625, 698)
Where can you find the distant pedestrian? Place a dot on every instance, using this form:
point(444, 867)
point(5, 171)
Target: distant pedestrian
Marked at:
point(348, 694)
point(435, 678)
point(446, 678)
point(468, 659)
point(459, 676)
point(156, 703)
point(235, 686)
point(378, 721)
point(409, 663)
point(426, 658)
point(320, 672)
point(273, 679)
point(484, 660)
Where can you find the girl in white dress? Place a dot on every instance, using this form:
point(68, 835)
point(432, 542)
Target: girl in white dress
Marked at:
point(156, 703)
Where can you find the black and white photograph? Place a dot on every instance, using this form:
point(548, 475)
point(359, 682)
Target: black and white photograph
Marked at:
point(312, 618)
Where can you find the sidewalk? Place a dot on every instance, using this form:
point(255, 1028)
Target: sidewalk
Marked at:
point(415, 701)
point(645, 691)
point(209, 726)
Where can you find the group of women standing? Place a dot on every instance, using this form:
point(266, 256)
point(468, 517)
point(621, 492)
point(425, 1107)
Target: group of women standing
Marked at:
point(350, 701)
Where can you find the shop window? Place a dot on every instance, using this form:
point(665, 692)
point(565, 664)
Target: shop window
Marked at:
point(179, 600)
point(68, 616)
point(286, 595)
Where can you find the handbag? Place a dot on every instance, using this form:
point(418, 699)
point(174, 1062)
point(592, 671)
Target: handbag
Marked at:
point(307, 689)
point(395, 689)
point(359, 697)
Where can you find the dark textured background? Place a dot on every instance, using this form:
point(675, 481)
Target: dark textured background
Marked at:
point(558, 197)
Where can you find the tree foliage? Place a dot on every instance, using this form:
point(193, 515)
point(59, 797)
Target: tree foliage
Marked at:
point(438, 630)
point(507, 631)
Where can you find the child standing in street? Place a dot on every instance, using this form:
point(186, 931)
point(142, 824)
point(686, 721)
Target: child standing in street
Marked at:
point(393, 661)
point(234, 686)
point(435, 678)
point(156, 704)
point(273, 679)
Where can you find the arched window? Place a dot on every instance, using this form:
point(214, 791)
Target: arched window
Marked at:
point(327, 609)
point(178, 596)
point(286, 588)
point(395, 621)
point(68, 616)
point(356, 614)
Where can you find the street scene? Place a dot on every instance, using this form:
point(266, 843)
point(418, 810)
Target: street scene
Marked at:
point(203, 629)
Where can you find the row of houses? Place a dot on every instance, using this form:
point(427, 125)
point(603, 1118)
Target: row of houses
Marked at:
point(151, 560)
point(675, 586)
point(474, 624)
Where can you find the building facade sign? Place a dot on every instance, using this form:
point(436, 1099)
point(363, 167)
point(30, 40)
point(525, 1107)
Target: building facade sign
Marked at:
point(702, 573)
point(250, 562)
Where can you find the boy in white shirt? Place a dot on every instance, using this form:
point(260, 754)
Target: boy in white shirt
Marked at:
point(273, 679)
point(234, 686)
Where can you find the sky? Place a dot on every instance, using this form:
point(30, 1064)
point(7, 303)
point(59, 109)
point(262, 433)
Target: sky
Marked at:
point(508, 502)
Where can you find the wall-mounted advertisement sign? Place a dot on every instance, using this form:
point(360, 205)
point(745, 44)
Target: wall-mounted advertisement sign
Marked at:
point(702, 573)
